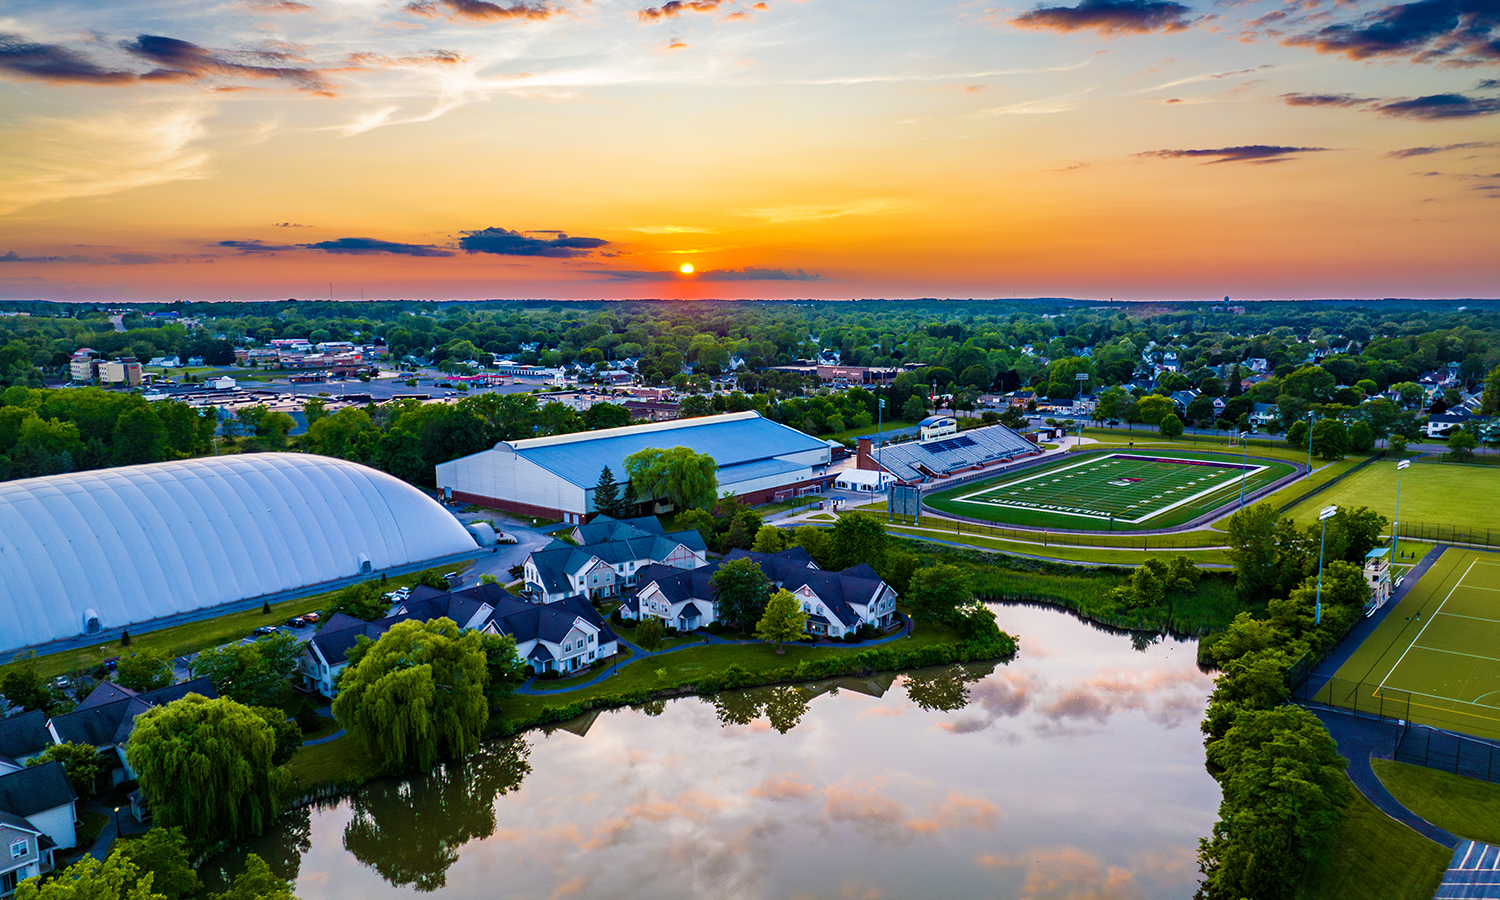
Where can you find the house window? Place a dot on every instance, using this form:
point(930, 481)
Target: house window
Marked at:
point(591, 639)
point(19, 849)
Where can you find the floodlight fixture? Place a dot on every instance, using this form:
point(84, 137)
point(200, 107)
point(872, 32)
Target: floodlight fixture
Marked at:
point(1403, 464)
point(1328, 512)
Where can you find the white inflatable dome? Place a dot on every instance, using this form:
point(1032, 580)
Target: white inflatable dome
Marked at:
point(112, 547)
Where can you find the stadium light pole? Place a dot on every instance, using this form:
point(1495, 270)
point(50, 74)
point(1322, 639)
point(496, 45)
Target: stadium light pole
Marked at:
point(1309, 444)
point(1244, 464)
point(1323, 517)
point(1396, 523)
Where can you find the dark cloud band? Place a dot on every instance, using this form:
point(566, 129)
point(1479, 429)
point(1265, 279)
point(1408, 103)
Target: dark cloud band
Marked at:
point(1253, 153)
point(504, 242)
point(1108, 17)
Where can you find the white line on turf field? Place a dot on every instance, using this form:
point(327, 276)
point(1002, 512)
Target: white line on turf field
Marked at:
point(1475, 618)
point(1425, 624)
point(1456, 653)
point(1440, 697)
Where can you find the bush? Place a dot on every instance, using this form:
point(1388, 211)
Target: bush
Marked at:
point(615, 618)
point(715, 627)
point(852, 637)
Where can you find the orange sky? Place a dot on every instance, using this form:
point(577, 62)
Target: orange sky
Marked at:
point(1124, 148)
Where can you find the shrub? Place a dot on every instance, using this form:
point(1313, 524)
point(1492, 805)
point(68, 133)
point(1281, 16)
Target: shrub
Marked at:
point(615, 618)
point(716, 627)
point(852, 637)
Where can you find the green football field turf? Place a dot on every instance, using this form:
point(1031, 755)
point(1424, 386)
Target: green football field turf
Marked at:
point(1114, 489)
point(1437, 654)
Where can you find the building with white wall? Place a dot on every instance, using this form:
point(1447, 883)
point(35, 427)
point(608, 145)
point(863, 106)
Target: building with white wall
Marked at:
point(554, 477)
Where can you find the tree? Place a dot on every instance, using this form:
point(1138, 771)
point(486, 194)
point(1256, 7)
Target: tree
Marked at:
point(1152, 408)
point(914, 409)
point(856, 539)
point(607, 495)
point(1254, 552)
point(1461, 443)
point(768, 540)
point(80, 761)
point(139, 437)
point(1361, 437)
point(207, 765)
point(505, 665)
point(1296, 434)
point(286, 732)
point(936, 591)
point(1489, 398)
point(741, 592)
point(116, 878)
point(650, 633)
point(1171, 427)
point(163, 853)
point(699, 520)
point(783, 620)
point(25, 687)
point(256, 882)
point(1330, 439)
point(255, 674)
point(314, 409)
point(364, 600)
point(816, 542)
point(605, 415)
point(416, 695)
point(144, 670)
point(679, 476)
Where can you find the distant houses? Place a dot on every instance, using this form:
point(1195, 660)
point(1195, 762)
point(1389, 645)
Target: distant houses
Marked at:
point(606, 556)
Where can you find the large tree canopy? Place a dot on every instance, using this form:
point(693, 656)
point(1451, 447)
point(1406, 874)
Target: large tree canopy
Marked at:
point(207, 765)
point(417, 694)
point(680, 476)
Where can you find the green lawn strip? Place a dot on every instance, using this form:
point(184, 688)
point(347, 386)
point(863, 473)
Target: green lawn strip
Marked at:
point(326, 726)
point(1269, 448)
point(1209, 608)
point(1084, 493)
point(344, 762)
point(1468, 807)
point(1376, 856)
point(1120, 557)
point(91, 823)
point(1430, 493)
point(664, 672)
point(180, 640)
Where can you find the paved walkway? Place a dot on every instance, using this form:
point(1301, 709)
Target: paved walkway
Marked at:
point(640, 655)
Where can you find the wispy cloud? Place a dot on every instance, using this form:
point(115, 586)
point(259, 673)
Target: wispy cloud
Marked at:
point(1108, 17)
point(812, 212)
point(1409, 152)
point(1253, 153)
point(362, 246)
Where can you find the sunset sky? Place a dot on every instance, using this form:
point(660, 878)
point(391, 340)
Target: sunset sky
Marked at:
point(263, 149)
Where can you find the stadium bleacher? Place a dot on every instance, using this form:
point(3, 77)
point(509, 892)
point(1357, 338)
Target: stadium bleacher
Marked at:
point(922, 460)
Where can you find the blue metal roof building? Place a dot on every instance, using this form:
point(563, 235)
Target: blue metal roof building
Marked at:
point(554, 477)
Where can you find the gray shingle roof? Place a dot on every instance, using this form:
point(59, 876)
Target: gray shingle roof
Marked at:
point(35, 789)
point(24, 734)
point(111, 720)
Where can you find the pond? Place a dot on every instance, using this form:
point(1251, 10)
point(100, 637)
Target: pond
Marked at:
point(1074, 771)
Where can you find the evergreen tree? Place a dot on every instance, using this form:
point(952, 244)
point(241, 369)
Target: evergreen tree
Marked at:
point(630, 502)
point(607, 495)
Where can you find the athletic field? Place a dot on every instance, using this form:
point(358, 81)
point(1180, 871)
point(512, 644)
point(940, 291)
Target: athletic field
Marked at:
point(1116, 490)
point(1438, 651)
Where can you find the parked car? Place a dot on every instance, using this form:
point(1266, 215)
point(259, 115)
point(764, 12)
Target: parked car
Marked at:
point(264, 630)
point(312, 617)
point(296, 623)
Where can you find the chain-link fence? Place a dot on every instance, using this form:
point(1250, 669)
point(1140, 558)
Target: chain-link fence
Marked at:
point(1451, 534)
point(1364, 699)
point(1435, 748)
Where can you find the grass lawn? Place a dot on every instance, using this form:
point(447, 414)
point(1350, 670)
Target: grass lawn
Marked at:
point(1322, 472)
point(1111, 488)
point(1051, 550)
point(1465, 806)
point(685, 667)
point(91, 824)
point(326, 726)
point(1430, 492)
point(191, 637)
point(344, 761)
point(1378, 857)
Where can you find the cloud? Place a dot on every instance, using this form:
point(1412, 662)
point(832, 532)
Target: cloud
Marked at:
point(1108, 17)
point(777, 787)
point(674, 8)
point(252, 248)
point(672, 229)
point(503, 242)
point(53, 62)
point(480, 10)
point(14, 257)
point(1066, 873)
point(289, 225)
point(1253, 153)
point(361, 246)
point(1436, 107)
point(1325, 100)
point(1452, 33)
point(277, 6)
point(185, 61)
point(1409, 152)
point(1488, 84)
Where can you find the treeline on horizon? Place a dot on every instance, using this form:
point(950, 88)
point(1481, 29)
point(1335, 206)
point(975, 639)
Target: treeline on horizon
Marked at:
point(961, 348)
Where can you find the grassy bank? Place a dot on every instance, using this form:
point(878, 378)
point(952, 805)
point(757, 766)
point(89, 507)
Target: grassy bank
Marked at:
point(1046, 548)
point(1376, 856)
point(1465, 806)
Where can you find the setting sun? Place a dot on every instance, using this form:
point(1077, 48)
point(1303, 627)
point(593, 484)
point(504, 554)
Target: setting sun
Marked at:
point(687, 268)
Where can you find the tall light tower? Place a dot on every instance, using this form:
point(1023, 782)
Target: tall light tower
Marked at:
point(1396, 523)
point(1323, 517)
point(1081, 378)
point(1309, 444)
point(1244, 465)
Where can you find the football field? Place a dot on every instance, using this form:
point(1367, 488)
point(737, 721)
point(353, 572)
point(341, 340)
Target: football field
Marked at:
point(1116, 490)
point(1438, 652)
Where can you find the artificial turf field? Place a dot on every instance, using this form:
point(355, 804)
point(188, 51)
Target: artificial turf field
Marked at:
point(1118, 490)
point(1438, 652)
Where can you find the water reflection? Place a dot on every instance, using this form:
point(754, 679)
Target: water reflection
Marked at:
point(1074, 771)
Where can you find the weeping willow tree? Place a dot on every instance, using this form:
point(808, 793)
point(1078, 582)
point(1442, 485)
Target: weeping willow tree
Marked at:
point(416, 695)
point(206, 765)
